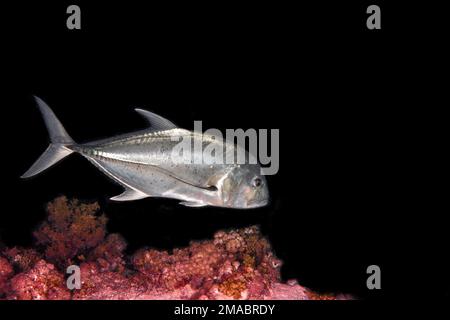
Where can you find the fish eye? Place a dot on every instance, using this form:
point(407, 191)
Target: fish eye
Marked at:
point(257, 182)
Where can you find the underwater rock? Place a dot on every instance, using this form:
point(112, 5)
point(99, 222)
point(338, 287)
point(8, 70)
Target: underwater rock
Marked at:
point(235, 264)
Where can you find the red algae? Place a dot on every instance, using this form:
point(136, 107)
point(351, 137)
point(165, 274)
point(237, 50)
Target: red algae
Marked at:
point(235, 264)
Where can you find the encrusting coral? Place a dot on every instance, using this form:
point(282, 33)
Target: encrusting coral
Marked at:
point(235, 264)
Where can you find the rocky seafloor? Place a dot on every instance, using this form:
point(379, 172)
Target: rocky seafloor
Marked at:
point(235, 264)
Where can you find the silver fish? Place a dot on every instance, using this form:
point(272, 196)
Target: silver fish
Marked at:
point(142, 163)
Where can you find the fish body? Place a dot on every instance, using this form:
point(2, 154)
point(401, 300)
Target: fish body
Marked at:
point(143, 163)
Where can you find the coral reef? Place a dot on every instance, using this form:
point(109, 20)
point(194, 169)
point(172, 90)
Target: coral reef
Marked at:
point(235, 264)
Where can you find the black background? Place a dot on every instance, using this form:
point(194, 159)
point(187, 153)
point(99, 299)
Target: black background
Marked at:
point(334, 89)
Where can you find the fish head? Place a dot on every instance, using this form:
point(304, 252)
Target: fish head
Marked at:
point(244, 187)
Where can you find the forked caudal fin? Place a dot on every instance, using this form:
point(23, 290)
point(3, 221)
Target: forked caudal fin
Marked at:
point(59, 138)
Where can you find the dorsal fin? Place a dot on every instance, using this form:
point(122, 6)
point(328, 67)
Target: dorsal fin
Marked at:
point(156, 122)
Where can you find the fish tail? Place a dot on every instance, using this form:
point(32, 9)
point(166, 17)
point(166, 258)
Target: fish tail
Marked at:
point(59, 147)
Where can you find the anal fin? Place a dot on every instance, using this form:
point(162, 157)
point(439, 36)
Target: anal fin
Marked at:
point(130, 195)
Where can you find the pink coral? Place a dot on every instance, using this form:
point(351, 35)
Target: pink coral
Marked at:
point(109, 253)
point(42, 282)
point(6, 271)
point(21, 258)
point(105, 285)
point(71, 229)
point(235, 264)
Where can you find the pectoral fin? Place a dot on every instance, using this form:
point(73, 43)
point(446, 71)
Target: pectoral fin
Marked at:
point(130, 195)
point(193, 204)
